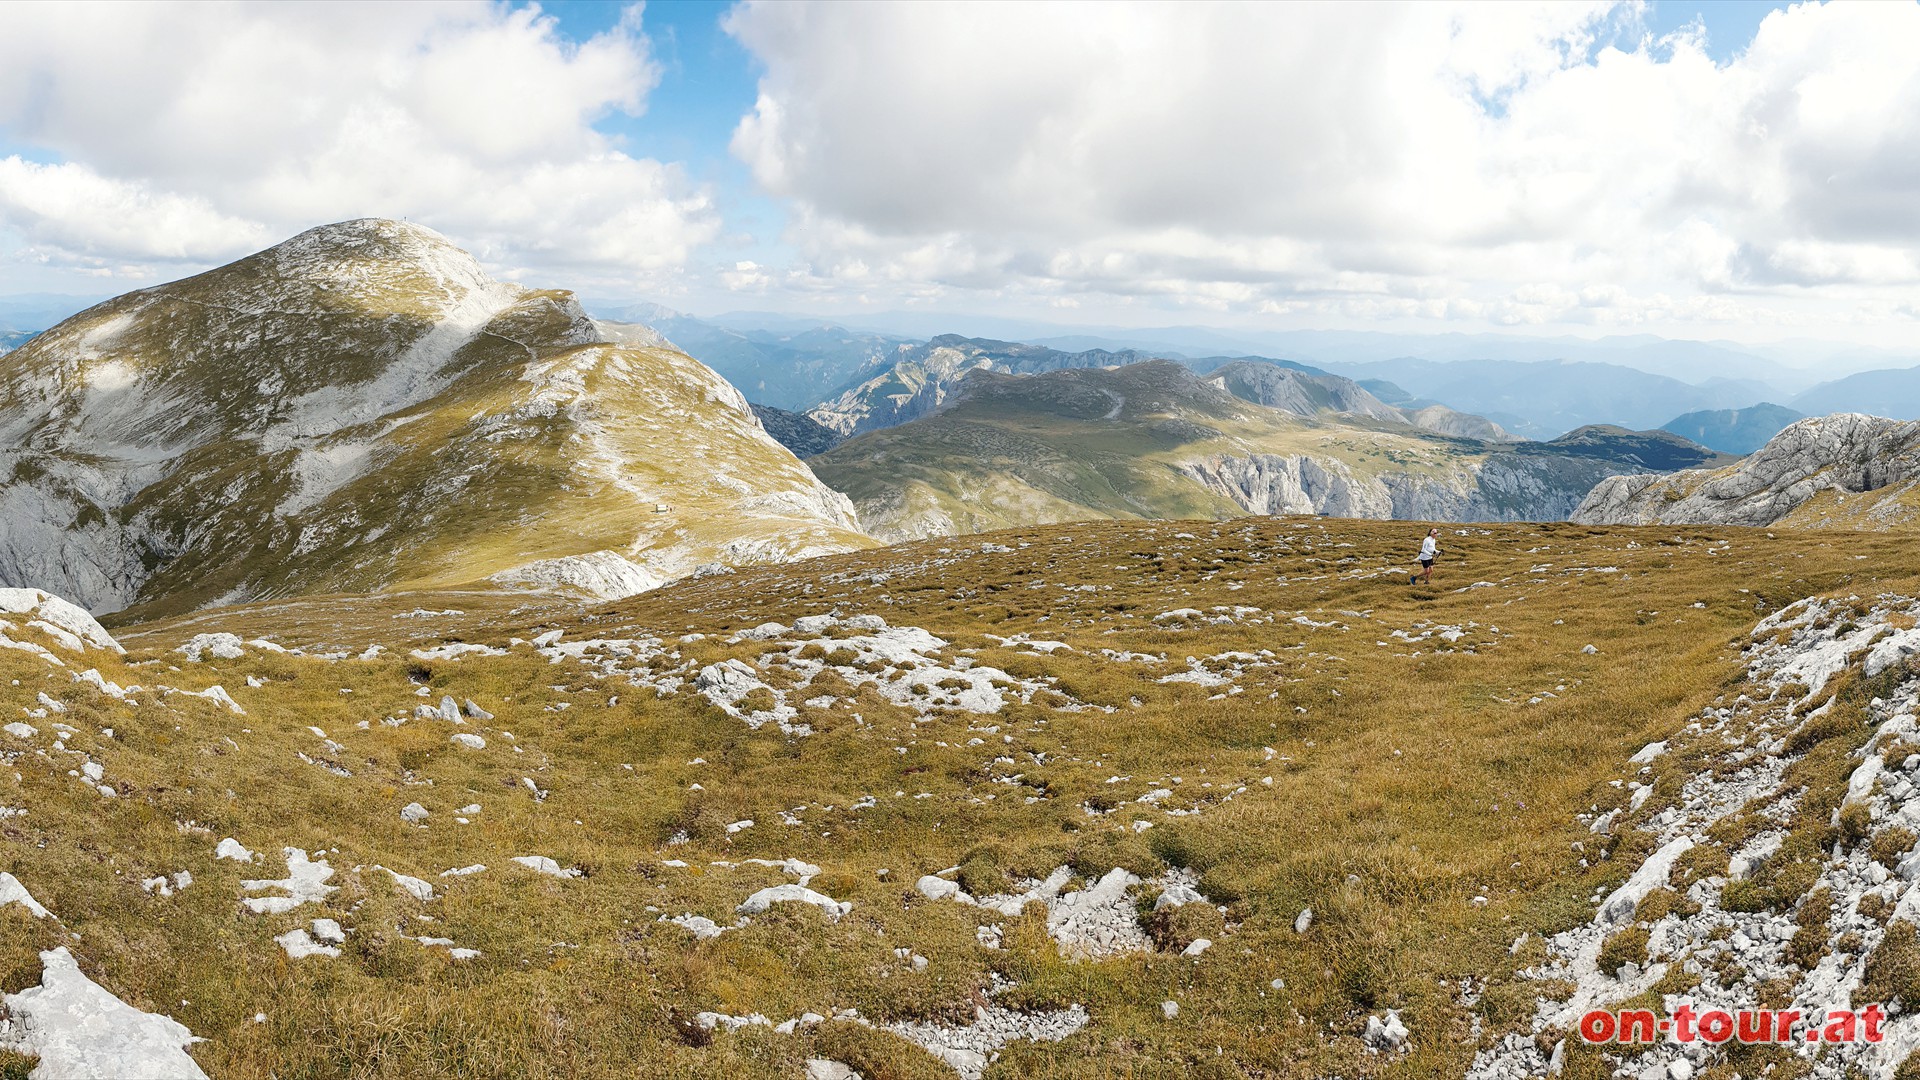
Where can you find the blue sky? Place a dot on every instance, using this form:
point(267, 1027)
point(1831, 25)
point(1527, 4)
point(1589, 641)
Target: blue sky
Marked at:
point(1540, 168)
point(1730, 24)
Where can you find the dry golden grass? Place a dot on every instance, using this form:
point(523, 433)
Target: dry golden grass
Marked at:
point(1408, 781)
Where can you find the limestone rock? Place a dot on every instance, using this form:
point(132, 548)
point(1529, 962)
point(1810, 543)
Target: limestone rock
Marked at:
point(1845, 454)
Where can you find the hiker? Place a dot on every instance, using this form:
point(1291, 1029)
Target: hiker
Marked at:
point(1429, 550)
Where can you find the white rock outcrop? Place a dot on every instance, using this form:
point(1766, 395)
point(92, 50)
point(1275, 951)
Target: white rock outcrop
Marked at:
point(1845, 452)
point(79, 1031)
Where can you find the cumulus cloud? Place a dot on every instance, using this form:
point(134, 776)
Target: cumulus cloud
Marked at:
point(78, 211)
point(185, 133)
point(1524, 163)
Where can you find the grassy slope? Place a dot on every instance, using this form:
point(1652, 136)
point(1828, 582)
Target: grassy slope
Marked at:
point(1406, 782)
point(447, 505)
point(474, 478)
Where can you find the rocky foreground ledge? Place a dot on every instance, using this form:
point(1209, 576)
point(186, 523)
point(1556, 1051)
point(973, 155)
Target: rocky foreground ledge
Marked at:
point(1784, 859)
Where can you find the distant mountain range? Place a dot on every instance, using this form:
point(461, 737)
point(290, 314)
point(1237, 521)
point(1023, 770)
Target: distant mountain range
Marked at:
point(1893, 392)
point(920, 379)
point(1305, 391)
point(1545, 398)
point(1733, 431)
point(792, 367)
point(1155, 439)
point(1789, 366)
point(1531, 387)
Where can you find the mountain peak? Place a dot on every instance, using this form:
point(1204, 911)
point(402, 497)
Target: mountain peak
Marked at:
point(361, 406)
point(368, 252)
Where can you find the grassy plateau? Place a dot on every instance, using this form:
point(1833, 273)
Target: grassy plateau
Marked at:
point(1263, 707)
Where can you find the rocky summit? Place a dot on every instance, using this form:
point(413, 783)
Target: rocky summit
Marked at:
point(363, 408)
point(1845, 469)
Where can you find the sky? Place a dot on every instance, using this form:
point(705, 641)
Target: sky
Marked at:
point(1744, 171)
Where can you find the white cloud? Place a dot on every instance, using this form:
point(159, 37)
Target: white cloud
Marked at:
point(191, 132)
point(77, 211)
point(1503, 162)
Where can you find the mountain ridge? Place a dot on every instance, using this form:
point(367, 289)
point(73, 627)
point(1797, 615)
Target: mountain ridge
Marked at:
point(1155, 440)
point(360, 407)
point(1734, 431)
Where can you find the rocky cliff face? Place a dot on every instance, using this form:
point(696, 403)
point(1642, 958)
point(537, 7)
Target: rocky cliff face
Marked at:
point(798, 432)
point(362, 407)
point(1497, 487)
point(1811, 473)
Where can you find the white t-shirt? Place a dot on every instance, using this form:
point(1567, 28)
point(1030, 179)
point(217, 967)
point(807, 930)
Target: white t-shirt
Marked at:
point(1429, 548)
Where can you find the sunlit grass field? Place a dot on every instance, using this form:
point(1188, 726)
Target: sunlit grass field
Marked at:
point(1406, 761)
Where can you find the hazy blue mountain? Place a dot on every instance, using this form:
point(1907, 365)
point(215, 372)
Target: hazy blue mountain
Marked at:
point(1893, 392)
point(787, 363)
point(24, 315)
point(1543, 399)
point(33, 312)
point(1686, 361)
point(1734, 431)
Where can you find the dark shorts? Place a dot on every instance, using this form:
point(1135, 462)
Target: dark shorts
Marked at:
point(1428, 563)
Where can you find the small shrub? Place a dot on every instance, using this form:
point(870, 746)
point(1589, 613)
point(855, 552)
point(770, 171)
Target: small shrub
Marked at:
point(876, 1054)
point(1809, 944)
point(1892, 845)
point(981, 872)
point(1819, 730)
point(1893, 968)
point(759, 699)
point(1856, 822)
point(1628, 946)
point(1660, 903)
point(1745, 895)
point(1875, 907)
point(1775, 993)
point(1816, 909)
